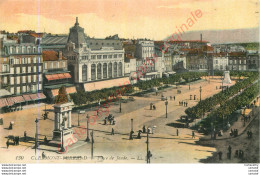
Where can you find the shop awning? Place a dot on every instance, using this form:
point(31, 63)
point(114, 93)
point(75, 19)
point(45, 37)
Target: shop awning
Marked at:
point(3, 102)
point(10, 101)
point(18, 99)
point(67, 75)
point(57, 76)
point(27, 97)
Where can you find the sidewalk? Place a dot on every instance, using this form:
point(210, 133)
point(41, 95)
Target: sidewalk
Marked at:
point(239, 125)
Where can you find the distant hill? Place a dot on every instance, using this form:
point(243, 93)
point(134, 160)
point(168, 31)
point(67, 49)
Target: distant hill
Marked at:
point(225, 36)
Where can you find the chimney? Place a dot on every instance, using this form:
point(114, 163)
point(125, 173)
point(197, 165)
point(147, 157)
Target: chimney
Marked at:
point(60, 55)
point(201, 37)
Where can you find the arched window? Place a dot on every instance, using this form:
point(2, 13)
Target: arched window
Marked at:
point(110, 70)
point(120, 70)
point(99, 71)
point(115, 69)
point(84, 72)
point(93, 72)
point(105, 70)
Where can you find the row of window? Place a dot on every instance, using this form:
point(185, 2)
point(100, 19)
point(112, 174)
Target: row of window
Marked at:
point(25, 79)
point(28, 69)
point(237, 61)
point(24, 49)
point(28, 60)
point(26, 89)
point(96, 71)
point(55, 65)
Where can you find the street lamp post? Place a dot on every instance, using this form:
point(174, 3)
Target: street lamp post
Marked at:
point(166, 103)
point(87, 139)
point(120, 105)
point(92, 143)
point(222, 84)
point(36, 134)
point(132, 127)
point(200, 93)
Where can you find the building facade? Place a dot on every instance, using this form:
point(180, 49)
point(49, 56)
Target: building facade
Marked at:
point(237, 61)
point(93, 59)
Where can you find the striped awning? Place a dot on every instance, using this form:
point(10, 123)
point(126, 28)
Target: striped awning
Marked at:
point(18, 99)
point(58, 76)
point(67, 75)
point(3, 102)
point(10, 101)
point(27, 97)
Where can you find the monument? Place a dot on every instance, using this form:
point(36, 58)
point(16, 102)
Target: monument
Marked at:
point(227, 79)
point(63, 133)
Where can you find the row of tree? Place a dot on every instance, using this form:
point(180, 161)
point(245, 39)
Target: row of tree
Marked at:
point(208, 104)
point(219, 118)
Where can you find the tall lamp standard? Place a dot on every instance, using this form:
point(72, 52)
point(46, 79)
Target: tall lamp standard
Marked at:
point(36, 135)
point(132, 121)
point(62, 138)
point(166, 103)
point(200, 93)
point(92, 143)
point(87, 139)
point(222, 84)
point(120, 105)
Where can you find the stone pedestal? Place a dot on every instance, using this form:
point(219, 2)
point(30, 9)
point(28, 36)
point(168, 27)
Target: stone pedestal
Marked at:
point(62, 125)
point(227, 79)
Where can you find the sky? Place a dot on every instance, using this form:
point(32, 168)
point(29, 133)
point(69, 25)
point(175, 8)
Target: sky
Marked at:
point(153, 19)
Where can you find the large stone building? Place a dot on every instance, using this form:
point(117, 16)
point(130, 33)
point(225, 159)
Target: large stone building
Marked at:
point(145, 51)
point(91, 60)
point(218, 61)
point(237, 61)
point(21, 74)
point(253, 62)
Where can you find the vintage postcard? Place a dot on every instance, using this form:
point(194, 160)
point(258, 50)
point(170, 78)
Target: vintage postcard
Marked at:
point(129, 81)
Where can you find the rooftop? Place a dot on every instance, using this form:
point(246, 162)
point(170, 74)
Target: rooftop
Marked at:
point(50, 55)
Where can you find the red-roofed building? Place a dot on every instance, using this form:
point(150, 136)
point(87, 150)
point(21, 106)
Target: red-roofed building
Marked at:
point(56, 73)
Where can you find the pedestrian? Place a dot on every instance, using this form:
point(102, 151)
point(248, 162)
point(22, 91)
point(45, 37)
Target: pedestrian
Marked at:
point(105, 121)
point(112, 132)
point(43, 155)
point(151, 106)
point(17, 140)
point(131, 135)
point(186, 104)
point(154, 107)
point(220, 155)
point(7, 144)
point(114, 122)
point(229, 149)
point(193, 134)
point(177, 132)
point(139, 135)
point(149, 155)
point(236, 153)
point(45, 140)
point(174, 98)
point(10, 126)
point(25, 135)
point(248, 134)
point(144, 130)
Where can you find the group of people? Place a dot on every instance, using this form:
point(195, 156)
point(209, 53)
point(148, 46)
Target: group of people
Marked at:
point(183, 103)
point(111, 119)
point(15, 140)
point(152, 106)
point(234, 132)
point(173, 98)
point(239, 154)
